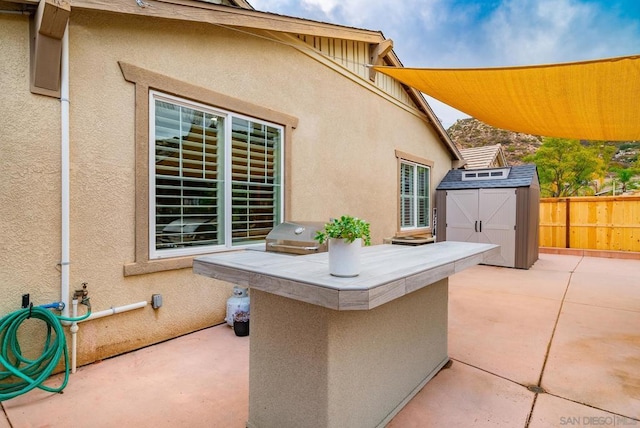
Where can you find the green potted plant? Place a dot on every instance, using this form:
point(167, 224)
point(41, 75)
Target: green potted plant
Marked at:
point(241, 323)
point(345, 236)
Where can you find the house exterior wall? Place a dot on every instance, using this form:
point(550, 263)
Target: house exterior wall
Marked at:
point(341, 161)
point(30, 173)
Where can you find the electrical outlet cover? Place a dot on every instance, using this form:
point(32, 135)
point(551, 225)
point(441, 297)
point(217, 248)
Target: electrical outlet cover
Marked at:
point(156, 301)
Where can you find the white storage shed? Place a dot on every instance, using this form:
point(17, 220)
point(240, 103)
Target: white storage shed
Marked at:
point(496, 205)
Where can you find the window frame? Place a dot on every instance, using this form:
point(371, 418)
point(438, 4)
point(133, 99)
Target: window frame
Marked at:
point(415, 161)
point(144, 81)
point(227, 182)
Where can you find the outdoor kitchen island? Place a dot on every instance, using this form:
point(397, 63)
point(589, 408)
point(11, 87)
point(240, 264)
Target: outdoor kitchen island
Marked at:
point(343, 352)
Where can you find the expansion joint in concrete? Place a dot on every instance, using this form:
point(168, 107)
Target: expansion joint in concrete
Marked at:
point(537, 389)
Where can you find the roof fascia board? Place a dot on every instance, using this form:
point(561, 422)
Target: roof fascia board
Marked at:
point(195, 11)
point(426, 108)
point(23, 7)
point(501, 155)
point(442, 133)
point(244, 4)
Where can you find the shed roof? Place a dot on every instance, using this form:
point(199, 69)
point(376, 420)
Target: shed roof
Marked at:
point(519, 176)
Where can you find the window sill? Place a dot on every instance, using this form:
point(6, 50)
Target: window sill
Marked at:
point(410, 240)
point(416, 233)
point(160, 265)
point(169, 263)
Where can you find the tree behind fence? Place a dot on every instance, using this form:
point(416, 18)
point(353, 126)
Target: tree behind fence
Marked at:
point(596, 223)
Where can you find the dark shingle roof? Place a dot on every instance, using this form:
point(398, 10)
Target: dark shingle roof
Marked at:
point(519, 176)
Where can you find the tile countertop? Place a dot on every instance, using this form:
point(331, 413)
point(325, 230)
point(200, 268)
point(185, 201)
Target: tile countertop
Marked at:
point(388, 272)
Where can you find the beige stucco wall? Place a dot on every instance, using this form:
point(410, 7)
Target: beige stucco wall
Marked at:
point(342, 160)
point(30, 176)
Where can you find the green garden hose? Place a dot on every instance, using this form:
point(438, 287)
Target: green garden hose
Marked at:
point(19, 374)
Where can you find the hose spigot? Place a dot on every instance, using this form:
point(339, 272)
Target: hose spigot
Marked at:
point(83, 295)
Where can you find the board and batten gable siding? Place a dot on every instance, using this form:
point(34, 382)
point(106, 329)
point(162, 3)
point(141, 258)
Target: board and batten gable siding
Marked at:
point(354, 56)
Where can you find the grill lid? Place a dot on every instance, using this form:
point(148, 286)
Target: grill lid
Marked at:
point(295, 238)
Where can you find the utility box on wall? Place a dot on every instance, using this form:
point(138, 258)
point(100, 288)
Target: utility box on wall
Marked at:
point(498, 206)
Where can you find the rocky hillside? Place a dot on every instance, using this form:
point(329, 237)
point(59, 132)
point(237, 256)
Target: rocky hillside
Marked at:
point(467, 133)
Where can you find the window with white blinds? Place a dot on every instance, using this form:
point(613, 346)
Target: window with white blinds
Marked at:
point(255, 180)
point(215, 178)
point(414, 195)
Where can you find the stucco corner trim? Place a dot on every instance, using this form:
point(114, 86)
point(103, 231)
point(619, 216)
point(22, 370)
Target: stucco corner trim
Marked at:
point(412, 158)
point(129, 72)
point(151, 79)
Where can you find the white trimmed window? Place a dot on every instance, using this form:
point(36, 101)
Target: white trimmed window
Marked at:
point(215, 178)
point(415, 189)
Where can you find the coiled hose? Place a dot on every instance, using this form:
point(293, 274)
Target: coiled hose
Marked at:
point(20, 374)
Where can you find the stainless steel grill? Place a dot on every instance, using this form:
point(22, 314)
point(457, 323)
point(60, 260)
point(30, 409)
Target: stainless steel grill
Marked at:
point(295, 238)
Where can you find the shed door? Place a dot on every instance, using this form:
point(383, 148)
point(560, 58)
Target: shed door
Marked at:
point(497, 212)
point(484, 215)
point(462, 215)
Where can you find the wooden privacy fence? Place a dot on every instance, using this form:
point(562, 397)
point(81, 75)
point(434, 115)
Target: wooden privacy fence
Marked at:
point(597, 223)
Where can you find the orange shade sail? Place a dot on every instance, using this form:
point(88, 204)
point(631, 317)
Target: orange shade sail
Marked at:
point(592, 100)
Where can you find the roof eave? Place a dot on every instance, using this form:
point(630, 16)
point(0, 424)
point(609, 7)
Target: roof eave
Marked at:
point(192, 11)
point(424, 106)
point(244, 4)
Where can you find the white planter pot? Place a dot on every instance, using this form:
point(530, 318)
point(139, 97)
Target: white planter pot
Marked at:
point(344, 257)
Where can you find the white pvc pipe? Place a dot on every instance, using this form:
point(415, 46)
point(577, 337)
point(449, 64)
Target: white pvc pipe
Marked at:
point(74, 336)
point(116, 310)
point(65, 178)
point(64, 174)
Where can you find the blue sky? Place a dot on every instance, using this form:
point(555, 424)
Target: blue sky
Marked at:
point(489, 33)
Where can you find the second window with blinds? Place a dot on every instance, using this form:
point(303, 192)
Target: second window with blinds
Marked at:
point(215, 178)
point(415, 190)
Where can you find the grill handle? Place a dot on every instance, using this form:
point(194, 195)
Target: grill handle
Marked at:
point(293, 247)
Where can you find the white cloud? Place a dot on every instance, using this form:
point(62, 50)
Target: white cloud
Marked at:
point(326, 6)
point(548, 31)
point(456, 33)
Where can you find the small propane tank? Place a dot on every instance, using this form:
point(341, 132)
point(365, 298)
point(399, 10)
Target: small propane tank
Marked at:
point(236, 303)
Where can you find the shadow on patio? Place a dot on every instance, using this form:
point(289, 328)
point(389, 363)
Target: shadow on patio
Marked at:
point(556, 345)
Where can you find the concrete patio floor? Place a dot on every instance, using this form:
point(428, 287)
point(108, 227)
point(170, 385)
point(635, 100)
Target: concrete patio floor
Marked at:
point(556, 345)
